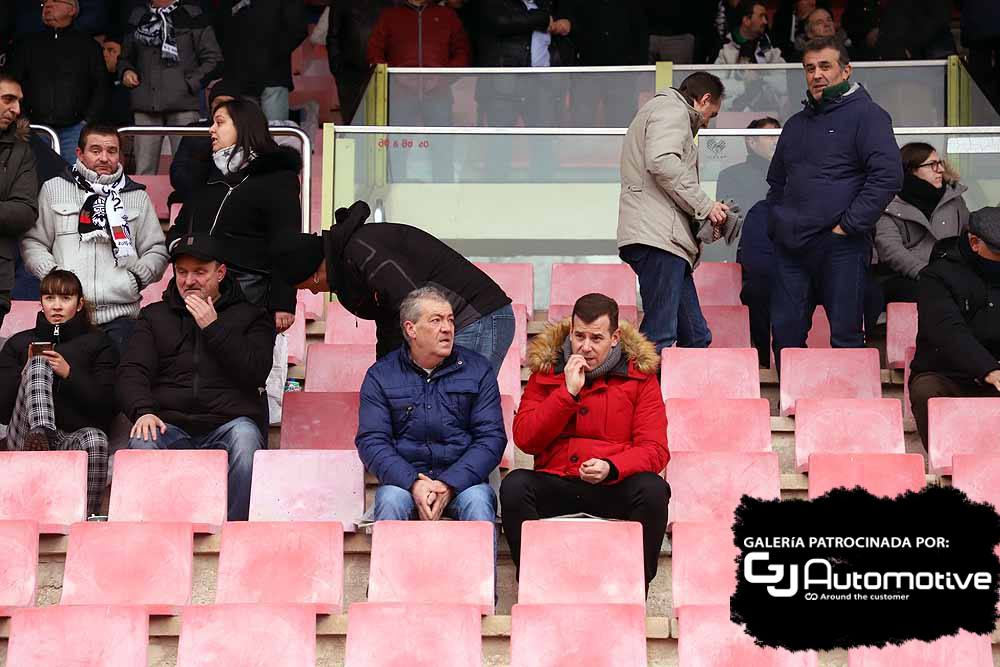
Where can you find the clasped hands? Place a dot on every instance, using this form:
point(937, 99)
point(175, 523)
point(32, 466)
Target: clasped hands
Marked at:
point(431, 497)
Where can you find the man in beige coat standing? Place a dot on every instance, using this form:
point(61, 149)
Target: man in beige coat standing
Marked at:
point(661, 205)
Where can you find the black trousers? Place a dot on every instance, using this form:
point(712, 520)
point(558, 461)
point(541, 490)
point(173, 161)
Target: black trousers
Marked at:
point(526, 495)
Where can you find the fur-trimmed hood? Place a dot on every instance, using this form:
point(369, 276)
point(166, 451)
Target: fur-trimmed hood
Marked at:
point(545, 350)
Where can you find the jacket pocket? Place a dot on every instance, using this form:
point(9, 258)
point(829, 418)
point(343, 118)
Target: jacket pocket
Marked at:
point(67, 216)
point(459, 397)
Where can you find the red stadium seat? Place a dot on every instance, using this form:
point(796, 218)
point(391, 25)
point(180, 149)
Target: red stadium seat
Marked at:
point(707, 638)
point(960, 426)
point(718, 425)
point(819, 331)
point(47, 487)
point(566, 562)
point(965, 649)
point(521, 318)
point(847, 426)
point(158, 188)
point(338, 367)
point(571, 281)
point(153, 293)
point(508, 408)
point(831, 373)
point(344, 328)
point(595, 635)
point(22, 316)
point(704, 563)
point(170, 485)
point(516, 279)
point(280, 562)
point(413, 635)
point(315, 303)
point(319, 420)
point(707, 486)
point(901, 332)
point(509, 378)
point(239, 635)
point(147, 564)
point(718, 283)
point(82, 636)
point(308, 485)
point(18, 564)
point(713, 373)
point(455, 565)
point(978, 475)
point(879, 474)
point(297, 337)
point(730, 325)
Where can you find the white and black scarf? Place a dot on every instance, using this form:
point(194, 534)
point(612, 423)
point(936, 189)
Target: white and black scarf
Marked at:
point(102, 215)
point(157, 29)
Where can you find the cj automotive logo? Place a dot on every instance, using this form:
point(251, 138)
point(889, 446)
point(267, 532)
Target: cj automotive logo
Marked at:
point(851, 569)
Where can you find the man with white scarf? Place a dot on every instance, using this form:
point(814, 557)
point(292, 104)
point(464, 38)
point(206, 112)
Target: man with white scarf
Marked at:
point(98, 223)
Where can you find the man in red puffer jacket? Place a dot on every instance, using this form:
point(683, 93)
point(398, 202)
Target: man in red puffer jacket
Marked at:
point(593, 418)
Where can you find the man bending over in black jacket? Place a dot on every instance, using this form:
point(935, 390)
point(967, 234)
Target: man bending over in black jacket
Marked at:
point(194, 373)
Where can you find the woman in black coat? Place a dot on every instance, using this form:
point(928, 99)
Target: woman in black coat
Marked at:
point(57, 382)
point(255, 203)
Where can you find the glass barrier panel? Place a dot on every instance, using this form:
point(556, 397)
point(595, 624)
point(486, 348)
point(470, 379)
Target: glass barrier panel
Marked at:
point(983, 113)
point(520, 97)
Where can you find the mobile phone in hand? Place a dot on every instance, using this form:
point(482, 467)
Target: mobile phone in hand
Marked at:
point(36, 348)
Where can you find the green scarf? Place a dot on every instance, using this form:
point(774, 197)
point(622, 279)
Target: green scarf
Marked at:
point(830, 94)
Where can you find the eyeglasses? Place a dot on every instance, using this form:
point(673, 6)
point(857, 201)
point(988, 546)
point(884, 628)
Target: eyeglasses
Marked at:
point(935, 165)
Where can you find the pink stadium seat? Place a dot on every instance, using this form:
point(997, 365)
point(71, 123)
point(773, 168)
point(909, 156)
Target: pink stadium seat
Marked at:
point(571, 281)
point(158, 188)
point(718, 283)
point(455, 565)
point(175, 210)
point(153, 293)
point(319, 420)
point(831, 373)
point(338, 367)
point(18, 564)
point(718, 425)
point(147, 564)
point(308, 485)
point(509, 378)
point(508, 408)
point(965, 649)
point(901, 332)
point(907, 359)
point(521, 329)
point(516, 279)
point(960, 426)
point(707, 638)
point(297, 337)
point(315, 303)
point(978, 475)
point(819, 332)
point(272, 562)
point(730, 325)
point(343, 328)
point(84, 636)
point(707, 486)
point(566, 562)
point(178, 485)
point(595, 635)
point(22, 316)
point(47, 487)
point(713, 373)
point(879, 474)
point(847, 426)
point(413, 635)
point(703, 563)
point(240, 635)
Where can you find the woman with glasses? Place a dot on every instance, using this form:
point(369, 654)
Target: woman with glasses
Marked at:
point(928, 208)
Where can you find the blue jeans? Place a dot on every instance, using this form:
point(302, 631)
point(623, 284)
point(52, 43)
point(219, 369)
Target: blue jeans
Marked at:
point(830, 270)
point(490, 336)
point(476, 503)
point(69, 138)
point(240, 438)
point(274, 103)
point(119, 330)
point(671, 311)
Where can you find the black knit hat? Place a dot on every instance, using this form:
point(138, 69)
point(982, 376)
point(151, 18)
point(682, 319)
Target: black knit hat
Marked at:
point(296, 257)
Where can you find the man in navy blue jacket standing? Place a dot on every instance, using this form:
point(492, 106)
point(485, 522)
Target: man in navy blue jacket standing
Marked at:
point(835, 169)
point(430, 426)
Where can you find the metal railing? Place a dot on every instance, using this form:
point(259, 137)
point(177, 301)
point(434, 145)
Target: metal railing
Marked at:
point(53, 137)
point(164, 130)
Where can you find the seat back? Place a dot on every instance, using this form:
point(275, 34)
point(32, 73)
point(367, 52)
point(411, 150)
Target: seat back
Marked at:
point(308, 485)
point(105, 636)
point(960, 426)
point(315, 303)
point(900, 332)
point(516, 279)
point(730, 325)
point(296, 335)
point(846, 426)
point(713, 373)
point(718, 425)
point(718, 283)
point(571, 281)
point(509, 378)
point(158, 188)
point(22, 316)
point(344, 328)
point(18, 564)
point(338, 367)
point(551, 635)
point(708, 631)
point(47, 487)
point(153, 292)
point(819, 330)
point(319, 420)
point(707, 486)
point(879, 474)
point(964, 648)
point(416, 635)
point(237, 635)
point(703, 563)
point(830, 373)
point(978, 475)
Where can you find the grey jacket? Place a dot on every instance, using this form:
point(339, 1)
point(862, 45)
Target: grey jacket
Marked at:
point(54, 242)
point(660, 194)
point(166, 86)
point(904, 237)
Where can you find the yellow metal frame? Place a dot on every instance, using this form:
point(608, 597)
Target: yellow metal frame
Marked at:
point(959, 93)
point(664, 75)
